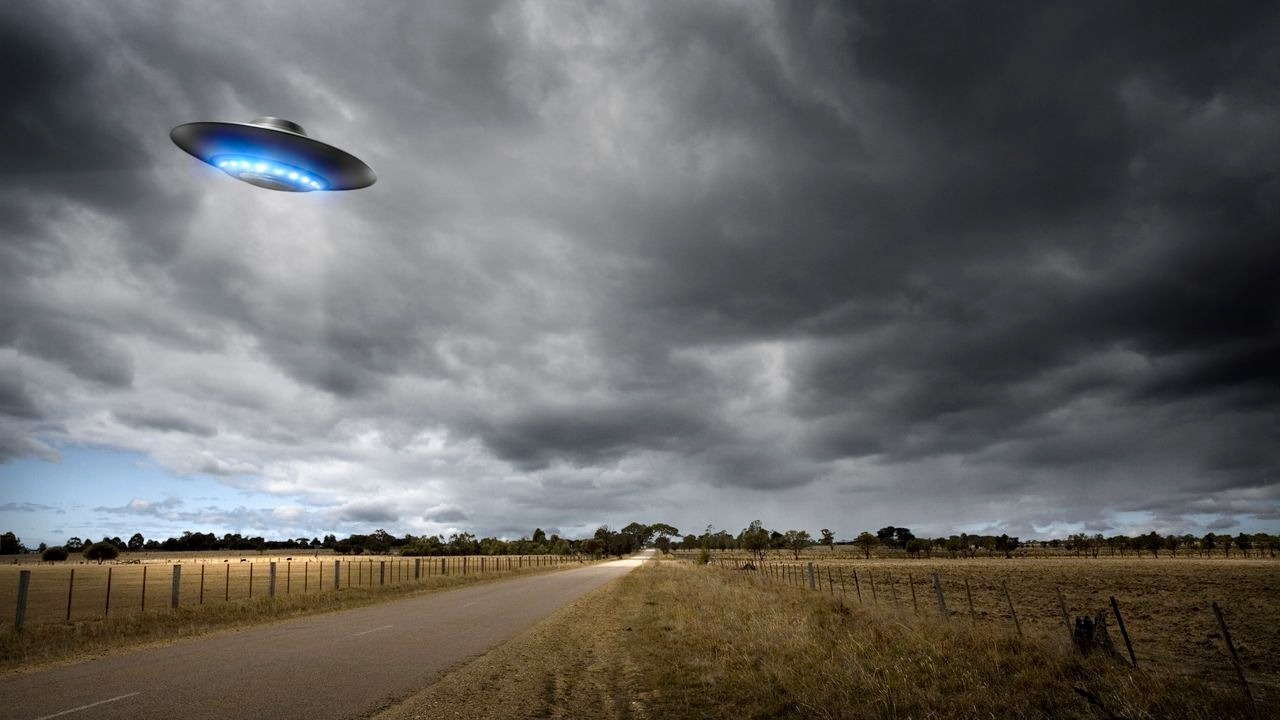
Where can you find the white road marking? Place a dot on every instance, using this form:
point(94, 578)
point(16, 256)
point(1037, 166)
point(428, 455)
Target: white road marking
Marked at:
point(86, 707)
point(366, 632)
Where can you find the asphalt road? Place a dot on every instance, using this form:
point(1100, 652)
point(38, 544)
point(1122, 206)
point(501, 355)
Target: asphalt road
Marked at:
point(338, 665)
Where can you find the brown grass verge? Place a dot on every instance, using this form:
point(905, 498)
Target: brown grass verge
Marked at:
point(679, 641)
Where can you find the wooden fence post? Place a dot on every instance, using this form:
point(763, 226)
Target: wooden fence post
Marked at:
point(915, 607)
point(337, 574)
point(875, 599)
point(1014, 613)
point(973, 615)
point(226, 586)
point(893, 591)
point(1062, 605)
point(201, 583)
point(1235, 659)
point(177, 583)
point(937, 590)
point(271, 579)
point(444, 569)
point(417, 568)
point(812, 583)
point(71, 586)
point(144, 588)
point(251, 564)
point(24, 585)
point(857, 586)
point(106, 610)
point(1115, 606)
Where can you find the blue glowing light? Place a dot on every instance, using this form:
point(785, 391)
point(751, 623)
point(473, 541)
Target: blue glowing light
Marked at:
point(276, 174)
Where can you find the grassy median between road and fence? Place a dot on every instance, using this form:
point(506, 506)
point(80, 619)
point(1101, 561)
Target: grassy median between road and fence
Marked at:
point(677, 640)
point(40, 644)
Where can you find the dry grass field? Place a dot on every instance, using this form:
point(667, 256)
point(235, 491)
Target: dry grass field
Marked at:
point(1165, 602)
point(215, 592)
point(144, 582)
point(678, 640)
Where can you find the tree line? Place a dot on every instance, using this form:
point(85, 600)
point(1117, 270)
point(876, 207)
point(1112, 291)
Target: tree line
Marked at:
point(604, 541)
point(755, 539)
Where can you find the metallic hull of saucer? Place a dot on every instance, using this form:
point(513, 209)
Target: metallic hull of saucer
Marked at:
point(279, 140)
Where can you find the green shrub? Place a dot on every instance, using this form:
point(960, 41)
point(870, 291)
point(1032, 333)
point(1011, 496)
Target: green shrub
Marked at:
point(54, 554)
point(101, 551)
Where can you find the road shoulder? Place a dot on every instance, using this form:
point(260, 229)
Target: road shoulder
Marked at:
point(573, 664)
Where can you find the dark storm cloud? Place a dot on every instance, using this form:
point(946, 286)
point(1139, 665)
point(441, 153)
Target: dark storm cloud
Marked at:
point(1018, 258)
point(14, 400)
point(446, 516)
point(164, 422)
point(944, 308)
point(368, 511)
point(587, 434)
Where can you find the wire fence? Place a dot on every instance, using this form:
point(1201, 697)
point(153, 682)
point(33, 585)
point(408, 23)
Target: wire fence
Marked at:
point(1214, 619)
point(61, 593)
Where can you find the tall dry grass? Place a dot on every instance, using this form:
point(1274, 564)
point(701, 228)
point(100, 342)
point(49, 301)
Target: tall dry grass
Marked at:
point(721, 643)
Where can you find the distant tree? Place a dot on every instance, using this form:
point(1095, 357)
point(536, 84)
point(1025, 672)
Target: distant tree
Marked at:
point(137, 542)
point(915, 546)
point(1244, 542)
point(379, 541)
point(1266, 544)
point(638, 535)
point(885, 536)
point(755, 540)
point(11, 545)
point(74, 544)
point(1226, 541)
point(1121, 543)
point(1095, 544)
point(828, 538)
point(1077, 543)
point(1152, 542)
point(539, 536)
point(663, 543)
point(101, 551)
point(41, 548)
point(54, 554)
point(797, 541)
point(664, 530)
point(1172, 543)
point(865, 542)
point(1007, 545)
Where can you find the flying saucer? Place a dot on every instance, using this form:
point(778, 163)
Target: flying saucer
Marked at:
point(274, 154)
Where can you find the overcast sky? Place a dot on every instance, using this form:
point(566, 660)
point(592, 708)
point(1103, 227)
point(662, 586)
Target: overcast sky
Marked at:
point(953, 266)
